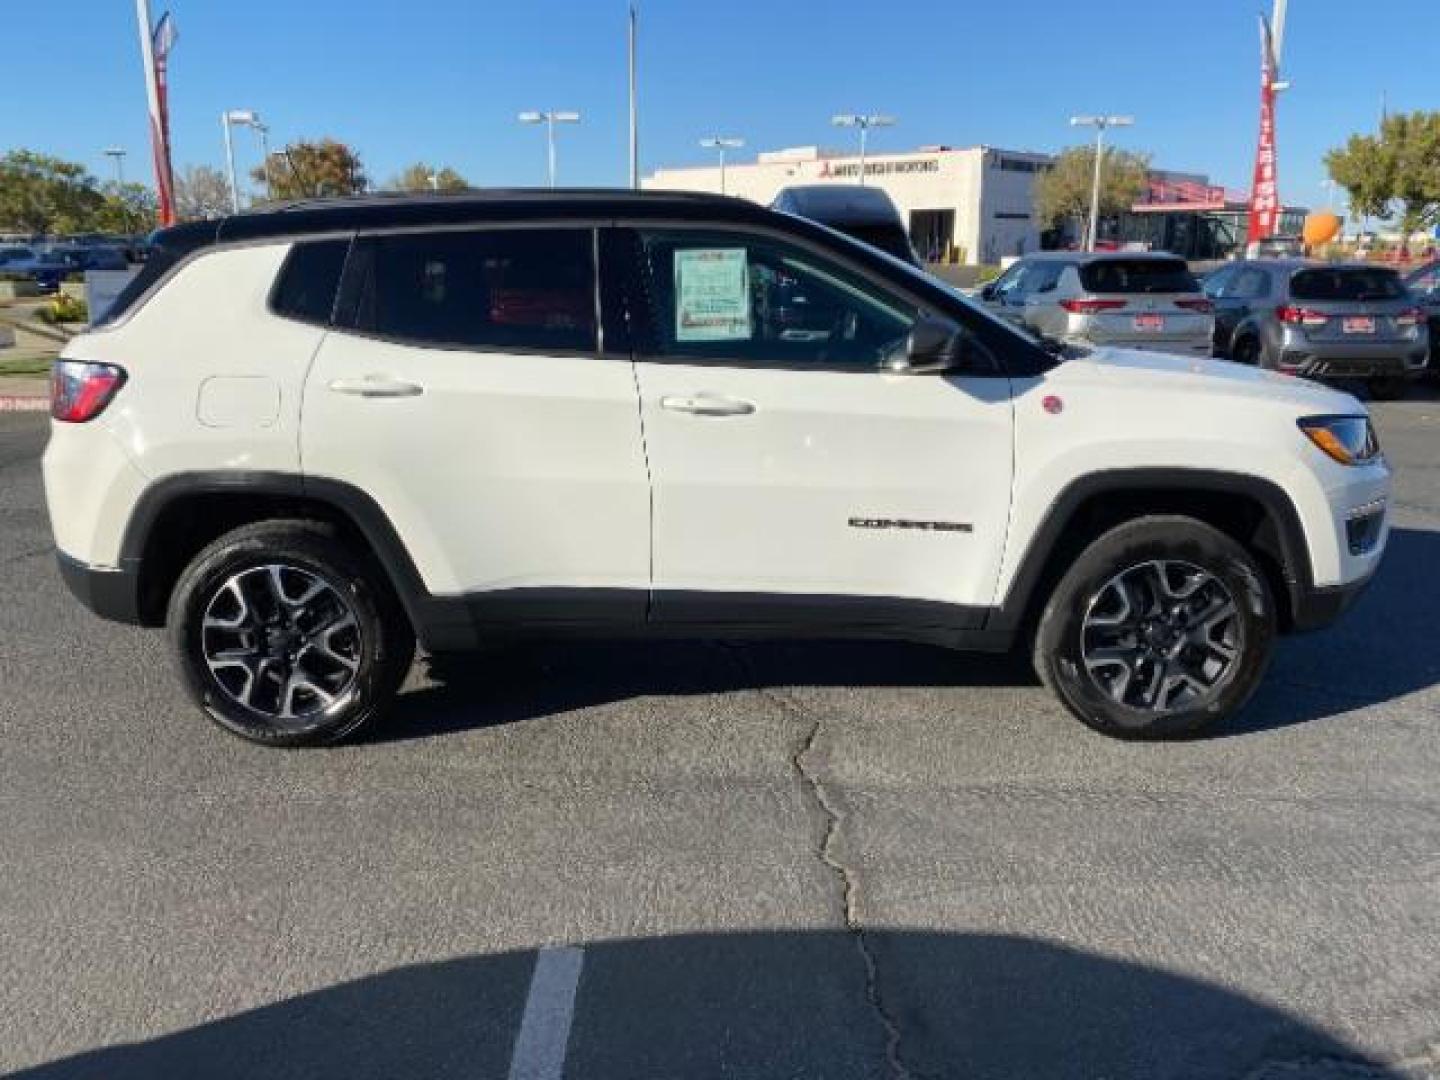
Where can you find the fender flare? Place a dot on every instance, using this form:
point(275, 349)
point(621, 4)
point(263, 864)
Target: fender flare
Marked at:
point(1012, 611)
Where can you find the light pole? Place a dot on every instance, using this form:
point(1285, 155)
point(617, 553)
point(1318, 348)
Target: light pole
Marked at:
point(550, 118)
point(722, 144)
point(863, 121)
point(117, 155)
point(634, 106)
point(249, 118)
point(263, 131)
point(1099, 123)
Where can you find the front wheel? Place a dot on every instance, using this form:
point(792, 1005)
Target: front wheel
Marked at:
point(1162, 627)
point(286, 637)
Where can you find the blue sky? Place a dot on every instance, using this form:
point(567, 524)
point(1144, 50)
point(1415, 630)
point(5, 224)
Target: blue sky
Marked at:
point(443, 79)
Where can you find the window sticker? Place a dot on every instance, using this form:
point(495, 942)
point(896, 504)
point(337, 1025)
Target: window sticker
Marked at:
point(712, 295)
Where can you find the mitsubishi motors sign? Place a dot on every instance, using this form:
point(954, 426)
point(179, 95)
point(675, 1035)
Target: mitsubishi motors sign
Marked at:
point(1265, 192)
point(840, 170)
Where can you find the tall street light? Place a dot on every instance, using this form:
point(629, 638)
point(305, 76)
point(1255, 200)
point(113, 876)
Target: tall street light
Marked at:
point(263, 130)
point(722, 144)
point(1099, 123)
point(248, 118)
point(117, 155)
point(550, 118)
point(634, 106)
point(864, 122)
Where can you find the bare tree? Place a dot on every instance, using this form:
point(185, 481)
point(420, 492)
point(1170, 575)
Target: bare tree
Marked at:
point(201, 192)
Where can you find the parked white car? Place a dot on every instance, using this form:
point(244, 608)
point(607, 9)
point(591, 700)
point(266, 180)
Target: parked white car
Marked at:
point(1140, 300)
point(303, 438)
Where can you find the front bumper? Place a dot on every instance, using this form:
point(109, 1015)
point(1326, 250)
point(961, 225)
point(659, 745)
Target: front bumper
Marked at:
point(111, 592)
point(1315, 608)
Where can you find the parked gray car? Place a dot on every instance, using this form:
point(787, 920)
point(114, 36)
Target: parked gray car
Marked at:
point(1320, 320)
point(1138, 300)
point(1424, 285)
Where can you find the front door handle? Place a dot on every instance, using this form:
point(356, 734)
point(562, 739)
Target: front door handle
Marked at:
point(708, 405)
point(377, 386)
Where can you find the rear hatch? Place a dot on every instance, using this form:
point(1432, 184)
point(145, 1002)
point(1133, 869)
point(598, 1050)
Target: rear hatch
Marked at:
point(1350, 305)
point(1140, 302)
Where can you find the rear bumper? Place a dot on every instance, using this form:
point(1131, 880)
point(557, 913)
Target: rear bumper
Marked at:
point(111, 592)
point(1397, 360)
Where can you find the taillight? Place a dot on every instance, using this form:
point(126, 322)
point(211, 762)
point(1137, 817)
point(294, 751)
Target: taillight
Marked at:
point(1199, 304)
point(1085, 307)
point(1409, 318)
point(79, 391)
point(1299, 316)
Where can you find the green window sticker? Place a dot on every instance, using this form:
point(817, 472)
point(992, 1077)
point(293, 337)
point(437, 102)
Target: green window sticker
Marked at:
point(712, 295)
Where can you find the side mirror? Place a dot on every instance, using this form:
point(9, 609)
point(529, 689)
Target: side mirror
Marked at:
point(933, 347)
point(987, 291)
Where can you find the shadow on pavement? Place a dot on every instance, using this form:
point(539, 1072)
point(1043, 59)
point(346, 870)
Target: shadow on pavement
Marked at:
point(761, 1005)
point(1380, 650)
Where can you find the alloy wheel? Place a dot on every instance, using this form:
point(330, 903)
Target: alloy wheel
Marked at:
point(1161, 636)
point(282, 642)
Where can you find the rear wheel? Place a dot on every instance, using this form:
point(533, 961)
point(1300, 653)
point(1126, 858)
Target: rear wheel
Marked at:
point(1245, 350)
point(1390, 388)
point(285, 637)
point(1162, 627)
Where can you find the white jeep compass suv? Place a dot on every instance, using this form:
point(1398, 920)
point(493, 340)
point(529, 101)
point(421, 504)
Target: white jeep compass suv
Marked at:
point(304, 438)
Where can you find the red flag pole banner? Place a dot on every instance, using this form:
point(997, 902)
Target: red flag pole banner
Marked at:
point(164, 39)
point(1265, 192)
point(164, 188)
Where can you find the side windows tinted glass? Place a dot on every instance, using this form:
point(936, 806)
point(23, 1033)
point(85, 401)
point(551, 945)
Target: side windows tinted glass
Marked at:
point(1250, 284)
point(497, 289)
point(757, 300)
point(306, 287)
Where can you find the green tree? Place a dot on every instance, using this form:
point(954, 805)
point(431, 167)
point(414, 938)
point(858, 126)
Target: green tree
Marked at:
point(424, 177)
point(45, 194)
point(308, 169)
point(1393, 174)
point(201, 192)
point(128, 208)
point(1063, 192)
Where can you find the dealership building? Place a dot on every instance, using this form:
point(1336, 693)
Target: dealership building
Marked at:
point(976, 204)
point(960, 205)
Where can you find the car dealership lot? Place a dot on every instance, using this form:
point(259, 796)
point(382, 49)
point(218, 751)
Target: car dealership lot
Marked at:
point(777, 860)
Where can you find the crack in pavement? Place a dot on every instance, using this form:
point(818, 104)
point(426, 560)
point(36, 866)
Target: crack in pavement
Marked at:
point(849, 888)
point(803, 762)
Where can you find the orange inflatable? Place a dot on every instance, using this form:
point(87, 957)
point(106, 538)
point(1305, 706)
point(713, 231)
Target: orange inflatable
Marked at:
point(1321, 228)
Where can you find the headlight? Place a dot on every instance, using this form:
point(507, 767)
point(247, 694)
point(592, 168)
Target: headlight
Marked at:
point(1350, 440)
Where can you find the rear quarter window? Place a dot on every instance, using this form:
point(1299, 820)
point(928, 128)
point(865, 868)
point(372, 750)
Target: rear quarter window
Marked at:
point(1138, 276)
point(306, 287)
point(1347, 283)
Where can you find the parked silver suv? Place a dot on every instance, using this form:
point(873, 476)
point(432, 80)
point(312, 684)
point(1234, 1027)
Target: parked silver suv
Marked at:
point(1139, 300)
point(1320, 320)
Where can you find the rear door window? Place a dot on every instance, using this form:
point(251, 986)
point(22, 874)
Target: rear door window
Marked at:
point(500, 289)
point(1138, 276)
point(1356, 283)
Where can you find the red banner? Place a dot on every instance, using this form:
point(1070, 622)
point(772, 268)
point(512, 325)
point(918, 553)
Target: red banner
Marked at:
point(1265, 192)
point(160, 140)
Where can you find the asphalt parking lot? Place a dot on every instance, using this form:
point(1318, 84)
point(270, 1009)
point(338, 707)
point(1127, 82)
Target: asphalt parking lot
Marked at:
point(695, 860)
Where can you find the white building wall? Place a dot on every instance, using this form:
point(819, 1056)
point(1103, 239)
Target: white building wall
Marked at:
point(965, 181)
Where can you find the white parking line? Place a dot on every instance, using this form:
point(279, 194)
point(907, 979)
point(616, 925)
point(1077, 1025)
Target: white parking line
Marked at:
point(545, 1028)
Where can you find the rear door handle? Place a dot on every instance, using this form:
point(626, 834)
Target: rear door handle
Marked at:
point(708, 405)
point(377, 386)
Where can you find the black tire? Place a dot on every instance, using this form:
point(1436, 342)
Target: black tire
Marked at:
point(1072, 623)
point(250, 696)
point(1245, 350)
point(1388, 388)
